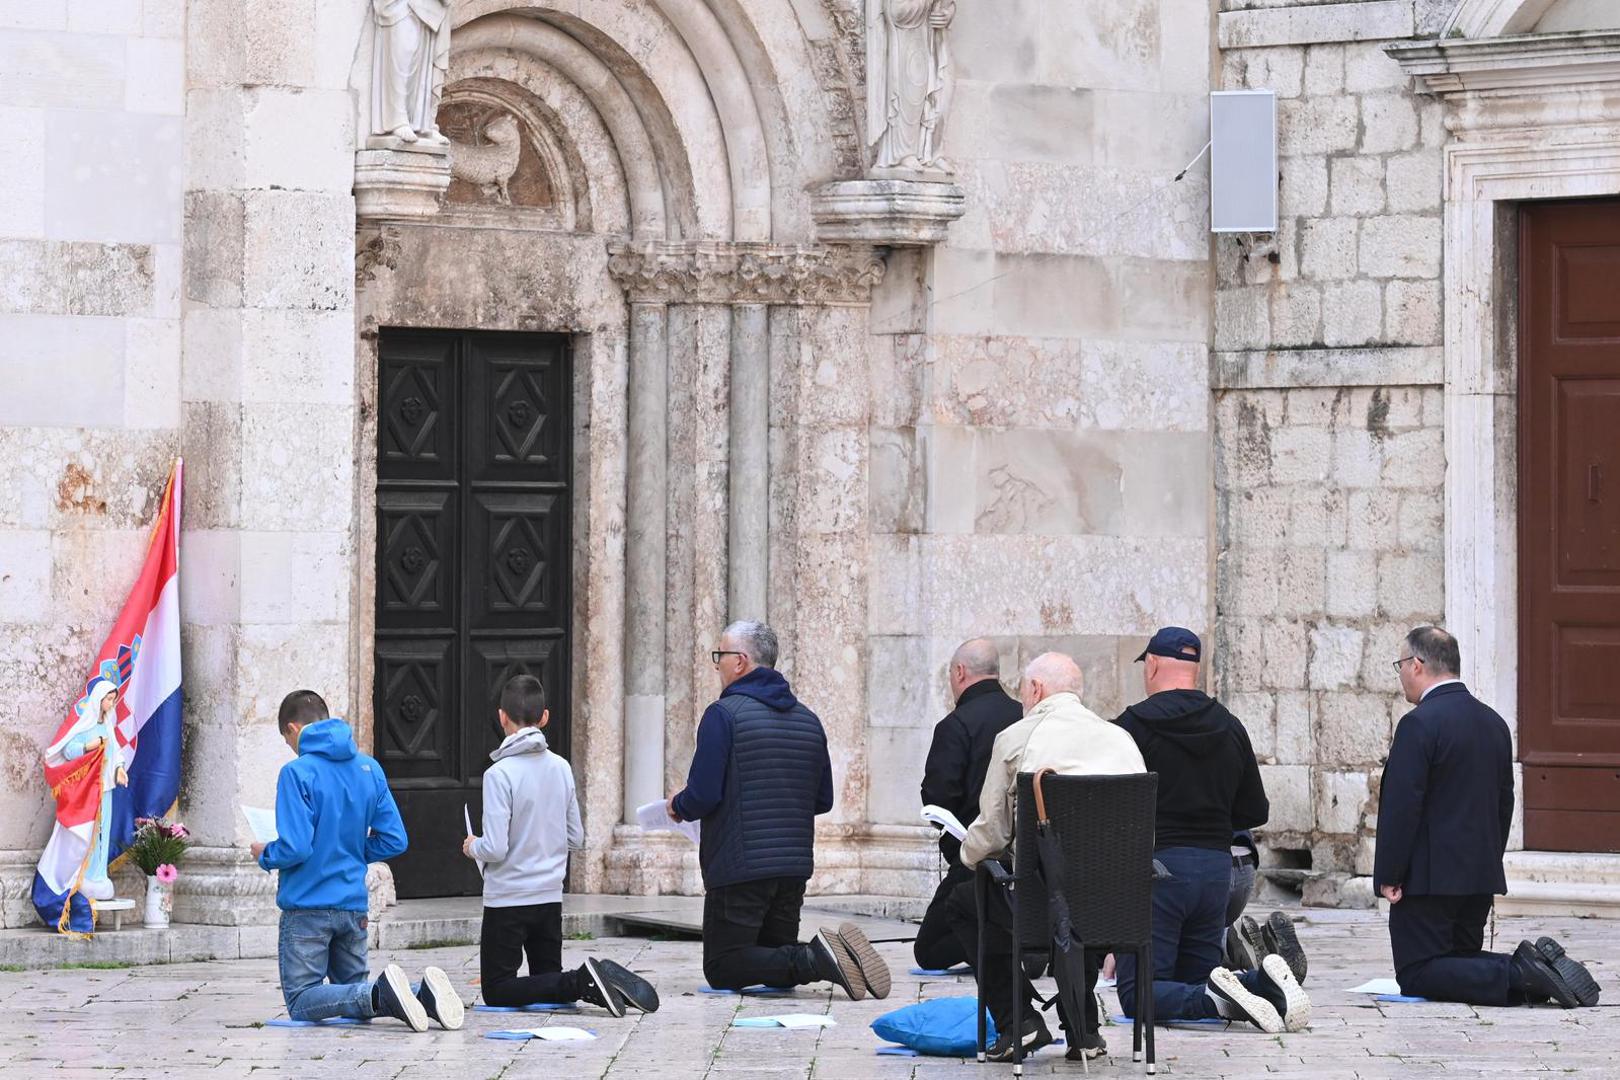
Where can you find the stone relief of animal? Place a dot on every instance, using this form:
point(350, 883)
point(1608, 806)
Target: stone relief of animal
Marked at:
point(492, 165)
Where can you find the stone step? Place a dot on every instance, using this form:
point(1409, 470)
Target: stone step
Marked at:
point(1560, 883)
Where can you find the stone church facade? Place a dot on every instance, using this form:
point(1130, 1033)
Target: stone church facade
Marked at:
point(889, 323)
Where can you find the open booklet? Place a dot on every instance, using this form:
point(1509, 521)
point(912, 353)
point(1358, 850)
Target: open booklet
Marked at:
point(941, 818)
point(654, 817)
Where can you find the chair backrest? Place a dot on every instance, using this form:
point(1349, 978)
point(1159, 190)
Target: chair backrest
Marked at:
point(1106, 828)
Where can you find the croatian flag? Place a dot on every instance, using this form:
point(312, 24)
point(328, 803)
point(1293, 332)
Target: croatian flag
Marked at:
point(141, 657)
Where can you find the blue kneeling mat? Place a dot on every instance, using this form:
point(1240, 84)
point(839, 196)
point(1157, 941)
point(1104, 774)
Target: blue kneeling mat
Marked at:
point(331, 1021)
point(962, 969)
point(941, 1027)
point(749, 990)
point(538, 1006)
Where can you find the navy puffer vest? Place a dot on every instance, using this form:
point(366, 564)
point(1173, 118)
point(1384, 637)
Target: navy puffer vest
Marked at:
point(765, 825)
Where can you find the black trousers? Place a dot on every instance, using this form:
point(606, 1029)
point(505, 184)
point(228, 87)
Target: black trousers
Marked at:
point(937, 946)
point(508, 935)
point(1438, 945)
point(1002, 964)
point(751, 935)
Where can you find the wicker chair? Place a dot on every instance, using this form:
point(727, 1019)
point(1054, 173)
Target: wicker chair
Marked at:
point(1106, 827)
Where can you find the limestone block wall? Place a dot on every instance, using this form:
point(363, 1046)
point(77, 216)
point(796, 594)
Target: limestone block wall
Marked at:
point(91, 97)
point(1326, 380)
point(1039, 439)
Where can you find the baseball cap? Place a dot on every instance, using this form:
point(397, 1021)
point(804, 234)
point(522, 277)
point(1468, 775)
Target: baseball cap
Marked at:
point(1175, 642)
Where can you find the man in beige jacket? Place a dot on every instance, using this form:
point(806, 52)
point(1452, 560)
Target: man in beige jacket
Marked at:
point(1057, 732)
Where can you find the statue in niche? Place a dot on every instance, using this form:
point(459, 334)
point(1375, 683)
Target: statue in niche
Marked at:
point(409, 60)
point(908, 81)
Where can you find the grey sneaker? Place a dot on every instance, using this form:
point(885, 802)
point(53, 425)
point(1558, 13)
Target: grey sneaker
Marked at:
point(874, 972)
point(835, 964)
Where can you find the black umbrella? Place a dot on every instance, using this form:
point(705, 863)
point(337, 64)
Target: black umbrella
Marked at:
point(1068, 953)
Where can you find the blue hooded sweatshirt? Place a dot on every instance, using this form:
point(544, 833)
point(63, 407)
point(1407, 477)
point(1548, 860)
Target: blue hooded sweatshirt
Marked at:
point(334, 814)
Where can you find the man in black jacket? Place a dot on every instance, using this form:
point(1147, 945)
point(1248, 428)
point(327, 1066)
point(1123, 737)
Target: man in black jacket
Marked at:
point(953, 777)
point(760, 774)
point(1444, 812)
point(1209, 787)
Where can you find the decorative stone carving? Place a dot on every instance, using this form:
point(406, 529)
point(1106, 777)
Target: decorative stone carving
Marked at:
point(490, 166)
point(409, 59)
point(699, 272)
point(908, 84)
point(886, 212)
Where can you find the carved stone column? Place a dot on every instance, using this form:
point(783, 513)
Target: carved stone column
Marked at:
point(728, 307)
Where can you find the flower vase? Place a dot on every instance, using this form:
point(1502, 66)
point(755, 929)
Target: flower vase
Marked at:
point(158, 902)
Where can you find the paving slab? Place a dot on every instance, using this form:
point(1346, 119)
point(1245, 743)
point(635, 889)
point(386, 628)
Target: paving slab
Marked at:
point(198, 1019)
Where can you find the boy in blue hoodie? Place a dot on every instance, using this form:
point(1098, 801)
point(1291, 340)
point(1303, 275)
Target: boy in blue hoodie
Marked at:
point(335, 814)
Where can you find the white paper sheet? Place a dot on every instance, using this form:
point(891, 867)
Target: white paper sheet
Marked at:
point(1377, 986)
point(944, 819)
point(261, 822)
point(553, 1034)
point(786, 1020)
point(466, 815)
point(654, 817)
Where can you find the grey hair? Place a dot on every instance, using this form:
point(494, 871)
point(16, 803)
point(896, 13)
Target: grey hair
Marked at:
point(756, 639)
point(1055, 671)
point(978, 657)
point(1436, 648)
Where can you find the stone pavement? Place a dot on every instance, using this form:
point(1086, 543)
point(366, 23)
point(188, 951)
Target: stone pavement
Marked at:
point(205, 1020)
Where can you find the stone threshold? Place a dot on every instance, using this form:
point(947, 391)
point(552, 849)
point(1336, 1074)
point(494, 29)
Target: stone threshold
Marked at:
point(418, 924)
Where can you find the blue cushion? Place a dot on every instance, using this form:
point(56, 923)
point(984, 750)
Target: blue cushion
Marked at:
point(943, 1027)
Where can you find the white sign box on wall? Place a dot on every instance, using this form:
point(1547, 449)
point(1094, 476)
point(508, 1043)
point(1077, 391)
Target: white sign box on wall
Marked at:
point(1243, 161)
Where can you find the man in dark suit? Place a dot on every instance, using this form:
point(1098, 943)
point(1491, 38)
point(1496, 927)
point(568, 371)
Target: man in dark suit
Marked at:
point(1443, 818)
point(954, 776)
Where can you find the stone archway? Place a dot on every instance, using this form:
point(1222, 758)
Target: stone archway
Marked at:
point(677, 250)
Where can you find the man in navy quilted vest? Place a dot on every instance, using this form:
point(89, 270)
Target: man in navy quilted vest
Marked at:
point(760, 774)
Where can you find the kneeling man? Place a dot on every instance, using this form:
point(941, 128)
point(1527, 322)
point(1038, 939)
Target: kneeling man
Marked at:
point(1443, 818)
point(760, 774)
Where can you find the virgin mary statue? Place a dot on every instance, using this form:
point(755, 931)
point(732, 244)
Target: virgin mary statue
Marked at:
point(84, 766)
point(908, 81)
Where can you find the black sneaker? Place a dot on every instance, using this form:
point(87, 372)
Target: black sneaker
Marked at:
point(1573, 972)
point(1280, 938)
point(1245, 945)
point(394, 998)
point(632, 988)
point(1538, 976)
point(1091, 1047)
point(874, 972)
point(440, 1000)
point(835, 964)
point(1235, 1001)
point(1035, 1037)
point(597, 990)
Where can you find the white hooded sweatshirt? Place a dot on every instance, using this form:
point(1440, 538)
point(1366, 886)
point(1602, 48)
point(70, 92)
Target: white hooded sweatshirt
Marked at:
point(531, 820)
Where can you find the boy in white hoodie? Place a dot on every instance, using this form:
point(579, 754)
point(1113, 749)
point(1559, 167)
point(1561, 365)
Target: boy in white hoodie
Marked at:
point(531, 820)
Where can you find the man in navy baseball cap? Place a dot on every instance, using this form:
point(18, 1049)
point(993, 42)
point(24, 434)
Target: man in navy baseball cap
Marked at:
point(1175, 642)
point(1209, 788)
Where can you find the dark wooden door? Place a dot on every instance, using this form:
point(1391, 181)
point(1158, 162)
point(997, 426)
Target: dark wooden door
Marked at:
point(1569, 524)
point(473, 524)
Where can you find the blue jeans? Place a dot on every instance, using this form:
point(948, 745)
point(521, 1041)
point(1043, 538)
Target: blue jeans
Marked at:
point(321, 944)
point(1189, 920)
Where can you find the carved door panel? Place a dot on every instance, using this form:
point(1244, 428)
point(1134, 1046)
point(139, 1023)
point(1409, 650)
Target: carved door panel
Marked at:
point(1569, 524)
point(473, 585)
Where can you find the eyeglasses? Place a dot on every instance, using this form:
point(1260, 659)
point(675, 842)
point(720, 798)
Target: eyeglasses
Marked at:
point(1403, 660)
point(714, 657)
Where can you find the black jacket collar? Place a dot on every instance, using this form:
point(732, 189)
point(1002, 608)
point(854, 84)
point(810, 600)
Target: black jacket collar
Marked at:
point(979, 689)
